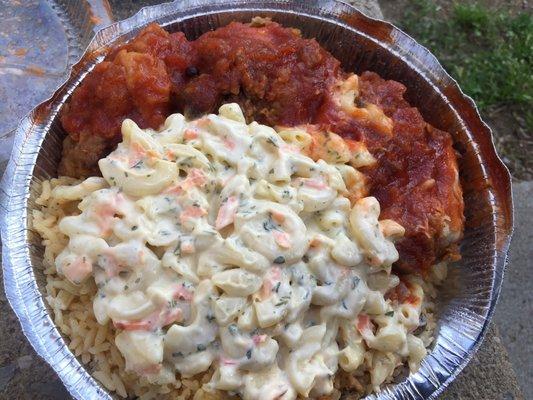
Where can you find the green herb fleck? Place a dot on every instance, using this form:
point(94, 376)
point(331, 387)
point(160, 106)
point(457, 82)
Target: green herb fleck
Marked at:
point(138, 164)
point(271, 141)
point(201, 347)
point(355, 282)
point(233, 330)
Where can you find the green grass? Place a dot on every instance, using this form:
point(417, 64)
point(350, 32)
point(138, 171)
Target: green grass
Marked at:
point(489, 52)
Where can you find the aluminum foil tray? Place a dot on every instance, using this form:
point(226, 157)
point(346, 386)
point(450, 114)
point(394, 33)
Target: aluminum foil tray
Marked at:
point(467, 300)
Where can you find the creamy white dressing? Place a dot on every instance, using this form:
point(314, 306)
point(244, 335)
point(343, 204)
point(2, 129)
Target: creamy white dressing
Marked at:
point(215, 243)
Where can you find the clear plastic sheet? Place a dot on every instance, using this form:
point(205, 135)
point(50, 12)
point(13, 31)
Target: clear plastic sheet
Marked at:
point(39, 42)
point(467, 299)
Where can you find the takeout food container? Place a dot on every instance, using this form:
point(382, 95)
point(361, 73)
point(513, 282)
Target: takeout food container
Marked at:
point(467, 299)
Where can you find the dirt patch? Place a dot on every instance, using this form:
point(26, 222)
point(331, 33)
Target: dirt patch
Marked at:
point(513, 141)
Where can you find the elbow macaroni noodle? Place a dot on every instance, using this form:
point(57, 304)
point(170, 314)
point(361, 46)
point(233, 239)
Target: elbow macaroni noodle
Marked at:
point(219, 244)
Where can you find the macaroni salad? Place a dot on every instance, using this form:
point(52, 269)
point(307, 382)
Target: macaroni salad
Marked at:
point(220, 244)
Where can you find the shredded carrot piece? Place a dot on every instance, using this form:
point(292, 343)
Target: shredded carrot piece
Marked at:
point(283, 239)
point(226, 213)
point(190, 134)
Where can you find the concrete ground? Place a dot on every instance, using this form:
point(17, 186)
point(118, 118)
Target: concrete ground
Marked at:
point(505, 359)
point(489, 376)
point(514, 313)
